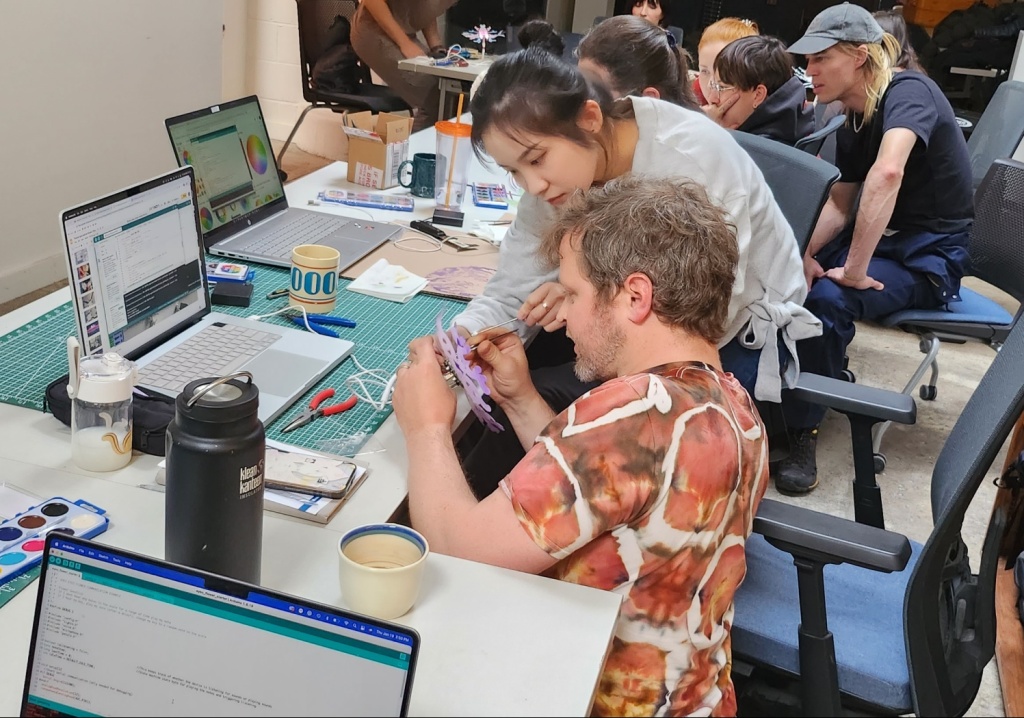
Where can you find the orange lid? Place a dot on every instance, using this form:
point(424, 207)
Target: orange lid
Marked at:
point(458, 129)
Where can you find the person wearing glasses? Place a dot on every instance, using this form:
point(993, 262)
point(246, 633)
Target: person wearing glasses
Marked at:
point(754, 90)
point(712, 41)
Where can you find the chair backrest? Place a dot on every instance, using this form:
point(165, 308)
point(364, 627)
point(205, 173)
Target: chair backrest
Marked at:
point(949, 612)
point(812, 143)
point(999, 130)
point(997, 239)
point(799, 181)
point(315, 18)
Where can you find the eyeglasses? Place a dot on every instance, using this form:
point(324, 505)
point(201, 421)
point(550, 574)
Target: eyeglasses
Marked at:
point(719, 87)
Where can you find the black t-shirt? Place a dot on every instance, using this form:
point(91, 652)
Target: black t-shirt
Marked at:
point(937, 194)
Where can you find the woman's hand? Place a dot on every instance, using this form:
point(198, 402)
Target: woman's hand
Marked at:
point(541, 307)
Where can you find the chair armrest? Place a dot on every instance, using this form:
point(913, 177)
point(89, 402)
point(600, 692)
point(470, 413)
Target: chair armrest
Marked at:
point(830, 539)
point(850, 398)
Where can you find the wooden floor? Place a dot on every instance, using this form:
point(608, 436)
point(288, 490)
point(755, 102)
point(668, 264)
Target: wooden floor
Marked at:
point(296, 163)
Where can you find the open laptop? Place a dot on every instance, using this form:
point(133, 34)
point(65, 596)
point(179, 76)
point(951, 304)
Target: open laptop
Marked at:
point(200, 644)
point(138, 278)
point(242, 206)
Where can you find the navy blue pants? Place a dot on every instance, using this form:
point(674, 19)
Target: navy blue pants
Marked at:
point(838, 307)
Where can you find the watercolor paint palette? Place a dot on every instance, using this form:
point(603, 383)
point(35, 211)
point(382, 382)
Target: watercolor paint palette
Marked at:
point(23, 537)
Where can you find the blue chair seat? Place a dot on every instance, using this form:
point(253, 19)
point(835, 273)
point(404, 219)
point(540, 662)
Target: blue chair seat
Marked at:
point(973, 308)
point(865, 615)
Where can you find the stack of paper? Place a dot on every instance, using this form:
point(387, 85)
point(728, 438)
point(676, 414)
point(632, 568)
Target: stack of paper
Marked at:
point(388, 281)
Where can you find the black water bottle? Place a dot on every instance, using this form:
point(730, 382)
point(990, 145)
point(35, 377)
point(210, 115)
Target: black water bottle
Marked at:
point(216, 447)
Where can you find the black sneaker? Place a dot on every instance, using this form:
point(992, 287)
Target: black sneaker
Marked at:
point(798, 473)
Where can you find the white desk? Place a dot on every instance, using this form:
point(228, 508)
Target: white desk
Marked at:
point(449, 77)
point(495, 642)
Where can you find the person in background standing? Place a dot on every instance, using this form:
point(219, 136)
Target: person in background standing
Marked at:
point(384, 32)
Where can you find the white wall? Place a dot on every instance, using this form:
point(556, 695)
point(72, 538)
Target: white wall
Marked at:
point(84, 90)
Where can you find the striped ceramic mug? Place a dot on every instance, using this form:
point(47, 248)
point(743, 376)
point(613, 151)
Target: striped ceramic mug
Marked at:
point(314, 278)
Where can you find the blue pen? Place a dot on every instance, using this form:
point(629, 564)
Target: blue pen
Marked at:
point(319, 329)
point(332, 321)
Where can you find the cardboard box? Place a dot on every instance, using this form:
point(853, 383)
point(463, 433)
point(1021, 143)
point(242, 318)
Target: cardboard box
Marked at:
point(929, 13)
point(377, 145)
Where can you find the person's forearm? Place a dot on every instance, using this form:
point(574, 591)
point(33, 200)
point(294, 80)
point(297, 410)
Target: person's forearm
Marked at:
point(881, 187)
point(382, 14)
point(432, 35)
point(528, 415)
point(439, 496)
point(830, 222)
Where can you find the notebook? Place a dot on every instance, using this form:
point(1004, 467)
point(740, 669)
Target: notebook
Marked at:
point(243, 210)
point(138, 279)
point(200, 644)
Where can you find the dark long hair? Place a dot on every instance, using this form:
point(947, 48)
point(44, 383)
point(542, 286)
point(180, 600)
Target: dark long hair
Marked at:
point(892, 22)
point(533, 92)
point(637, 55)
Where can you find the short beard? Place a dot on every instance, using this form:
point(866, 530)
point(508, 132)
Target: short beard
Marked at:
point(599, 364)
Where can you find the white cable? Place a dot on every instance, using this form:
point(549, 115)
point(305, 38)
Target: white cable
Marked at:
point(305, 318)
point(361, 383)
point(435, 244)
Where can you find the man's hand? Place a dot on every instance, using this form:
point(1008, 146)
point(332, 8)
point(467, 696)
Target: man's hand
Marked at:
point(838, 275)
point(503, 359)
point(541, 307)
point(422, 399)
point(812, 270)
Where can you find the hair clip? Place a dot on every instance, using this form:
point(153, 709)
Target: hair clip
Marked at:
point(671, 39)
point(748, 23)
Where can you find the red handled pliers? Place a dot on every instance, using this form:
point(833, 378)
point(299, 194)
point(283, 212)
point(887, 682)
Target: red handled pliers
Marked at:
point(315, 411)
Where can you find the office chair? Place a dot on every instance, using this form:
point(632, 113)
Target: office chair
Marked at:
point(813, 142)
point(890, 626)
point(800, 183)
point(315, 17)
point(999, 130)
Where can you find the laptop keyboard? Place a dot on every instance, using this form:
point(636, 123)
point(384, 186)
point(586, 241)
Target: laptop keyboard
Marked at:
point(306, 228)
point(216, 350)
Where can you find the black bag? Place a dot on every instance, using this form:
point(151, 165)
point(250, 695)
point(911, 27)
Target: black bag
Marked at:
point(151, 413)
point(337, 68)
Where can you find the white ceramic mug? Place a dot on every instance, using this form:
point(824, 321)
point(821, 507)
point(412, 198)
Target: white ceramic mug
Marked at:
point(314, 278)
point(380, 568)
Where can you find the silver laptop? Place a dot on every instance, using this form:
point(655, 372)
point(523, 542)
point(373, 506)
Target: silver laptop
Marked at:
point(117, 633)
point(243, 210)
point(138, 277)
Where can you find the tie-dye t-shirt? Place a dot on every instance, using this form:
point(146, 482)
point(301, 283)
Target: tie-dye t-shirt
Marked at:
point(647, 486)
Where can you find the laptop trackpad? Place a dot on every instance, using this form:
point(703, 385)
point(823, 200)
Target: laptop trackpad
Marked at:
point(281, 373)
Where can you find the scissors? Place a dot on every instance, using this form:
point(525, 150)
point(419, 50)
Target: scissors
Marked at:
point(315, 411)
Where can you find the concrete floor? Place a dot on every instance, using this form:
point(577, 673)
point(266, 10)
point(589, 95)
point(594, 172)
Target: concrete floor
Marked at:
point(879, 357)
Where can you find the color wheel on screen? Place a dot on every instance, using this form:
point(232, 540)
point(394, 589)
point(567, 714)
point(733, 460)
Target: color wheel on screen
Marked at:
point(205, 218)
point(186, 157)
point(257, 154)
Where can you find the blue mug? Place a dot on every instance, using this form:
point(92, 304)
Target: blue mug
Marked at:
point(421, 175)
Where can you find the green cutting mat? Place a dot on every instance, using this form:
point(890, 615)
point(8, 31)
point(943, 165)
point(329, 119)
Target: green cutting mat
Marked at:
point(12, 588)
point(34, 355)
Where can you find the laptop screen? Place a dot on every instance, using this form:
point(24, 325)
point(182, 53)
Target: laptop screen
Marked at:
point(121, 634)
point(236, 177)
point(135, 265)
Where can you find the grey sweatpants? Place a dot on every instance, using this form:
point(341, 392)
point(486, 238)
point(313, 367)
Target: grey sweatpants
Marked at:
point(377, 50)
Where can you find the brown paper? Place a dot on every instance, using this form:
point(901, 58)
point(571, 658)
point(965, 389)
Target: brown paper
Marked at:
point(452, 274)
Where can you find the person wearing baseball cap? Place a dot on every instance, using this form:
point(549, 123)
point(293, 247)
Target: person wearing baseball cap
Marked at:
point(903, 243)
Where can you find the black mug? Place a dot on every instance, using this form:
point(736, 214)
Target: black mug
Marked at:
point(216, 447)
point(421, 177)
